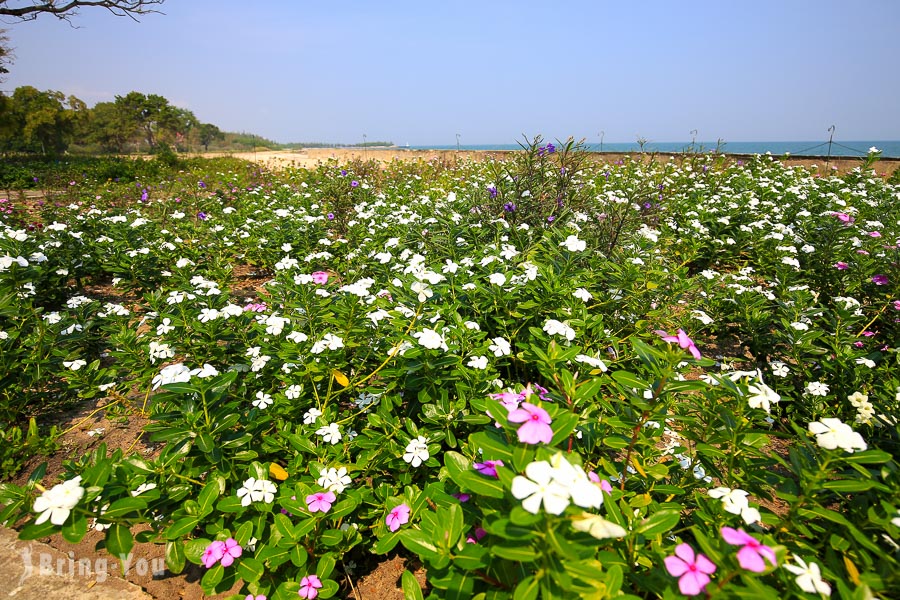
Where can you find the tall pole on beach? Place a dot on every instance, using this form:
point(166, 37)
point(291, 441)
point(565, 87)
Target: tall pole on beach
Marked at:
point(602, 134)
point(365, 149)
point(457, 143)
point(830, 137)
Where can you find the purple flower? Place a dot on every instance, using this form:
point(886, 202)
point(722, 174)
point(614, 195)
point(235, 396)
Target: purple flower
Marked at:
point(144, 195)
point(683, 341)
point(841, 266)
point(692, 570)
point(843, 217)
point(397, 517)
point(462, 497)
point(509, 207)
point(751, 554)
point(488, 467)
point(551, 218)
point(309, 587)
point(492, 191)
point(202, 185)
point(213, 554)
point(320, 277)
point(880, 279)
point(330, 216)
point(320, 501)
point(354, 183)
point(202, 216)
point(232, 550)
point(343, 172)
point(479, 533)
point(535, 424)
point(551, 148)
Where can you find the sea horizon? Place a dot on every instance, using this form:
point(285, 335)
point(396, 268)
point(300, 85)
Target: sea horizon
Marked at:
point(852, 149)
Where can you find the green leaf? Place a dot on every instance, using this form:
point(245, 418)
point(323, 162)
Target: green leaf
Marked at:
point(659, 522)
point(325, 566)
point(411, 589)
point(284, 527)
point(207, 498)
point(175, 558)
point(849, 485)
point(181, 527)
point(868, 457)
point(212, 578)
point(416, 541)
point(74, 528)
point(124, 506)
point(250, 569)
point(119, 541)
point(331, 537)
point(527, 589)
point(515, 553)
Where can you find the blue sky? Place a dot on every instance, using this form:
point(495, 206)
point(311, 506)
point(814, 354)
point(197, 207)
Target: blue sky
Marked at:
point(421, 72)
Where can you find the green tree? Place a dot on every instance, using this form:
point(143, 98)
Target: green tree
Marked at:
point(106, 127)
point(41, 121)
point(151, 116)
point(208, 133)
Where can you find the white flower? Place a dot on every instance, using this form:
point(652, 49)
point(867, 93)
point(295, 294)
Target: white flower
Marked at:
point(257, 490)
point(206, 371)
point(329, 341)
point(779, 369)
point(582, 294)
point(472, 325)
point(57, 502)
point(422, 291)
point(500, 347)
point(430, 339)
point(497, 279)
point(331, 433)
point(817, 388)
point(144, 487)
point(582, 491)
point(334, 480)
point(74, 364)
point(866, 361)
point(761, 396)
point(598, 527)
point(554, 327)
point(311, 416)
point(800, 326)
point(809, 578)
point(208, 314)
point(573, 244)
point(833, 433)
point(293, 392)
point(417, 451)
point(590, 360)
point(160, 351)
point(540, 488)
point(164, 327)
point(296, 337)
point(478, 362)
point(702, 317)
point(177, 373)
point(263, 401)
point(735, 501)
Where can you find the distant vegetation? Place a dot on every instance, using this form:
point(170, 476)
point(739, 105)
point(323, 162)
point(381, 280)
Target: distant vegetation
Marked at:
point(51, 124)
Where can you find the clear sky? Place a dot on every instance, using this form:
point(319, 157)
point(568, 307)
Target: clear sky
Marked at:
point(420, 72)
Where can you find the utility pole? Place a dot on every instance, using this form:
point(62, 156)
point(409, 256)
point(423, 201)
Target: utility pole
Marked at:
point(830, 137)
point(602, 134)
point(457, 143)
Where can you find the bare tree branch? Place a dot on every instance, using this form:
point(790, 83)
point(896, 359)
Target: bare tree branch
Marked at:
point(29, 11)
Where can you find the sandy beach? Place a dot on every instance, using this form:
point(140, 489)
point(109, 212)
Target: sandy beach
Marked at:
point(312, 157)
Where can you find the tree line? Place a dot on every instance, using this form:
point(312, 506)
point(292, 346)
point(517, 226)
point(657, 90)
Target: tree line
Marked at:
point(50, 123)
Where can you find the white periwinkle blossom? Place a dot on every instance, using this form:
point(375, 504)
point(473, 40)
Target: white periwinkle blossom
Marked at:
point(263, 401)
point(817, 388)
point(555, 484)
point(573, 244)
point(334, 480)
point(329, 341)
point(582, 294)
point(500, 347)
point(735, 501)
point(177, 373)
point(331, 433)
point(809, 577)
point(417, 451)
point(554, 327)
point(834, 433)
point(431, 339)
point(478, 362)
point(56, 503)
point(257, 490)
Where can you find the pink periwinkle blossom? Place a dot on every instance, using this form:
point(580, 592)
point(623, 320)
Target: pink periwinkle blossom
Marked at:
point(683, 341)
point(488, 467)
point(841, 266)
point(320, 277)
point(397, 517)
point(896, 304)
point(604, 483)
point(880, 279)
point(320, 501)
point(692, 570)
point(256, 597)
point(462, 497)
point(309, 587)
point(843, 217)
point(752, 552)
point(232, 551)
point(213, 554)
point(535, 424)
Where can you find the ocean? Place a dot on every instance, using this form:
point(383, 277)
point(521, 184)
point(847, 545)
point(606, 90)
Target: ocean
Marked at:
point(889, 149)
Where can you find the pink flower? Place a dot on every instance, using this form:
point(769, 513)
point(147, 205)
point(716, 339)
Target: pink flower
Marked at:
point(479, 533)
point(604, 483)
point(397, 517)
point(213, 554)
point(874, 234)
point(841, 266)
point(880, 279)
point(320, 277)
point(896, 304)
point(232, 550)
point(683, 341)
point(256, 597)
point(843, 217)
point(751, 554)
point(320, 501)
point(858, 344)
point(488, 467)
point(693, 571)
point(535, 424)
point(309, 587)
